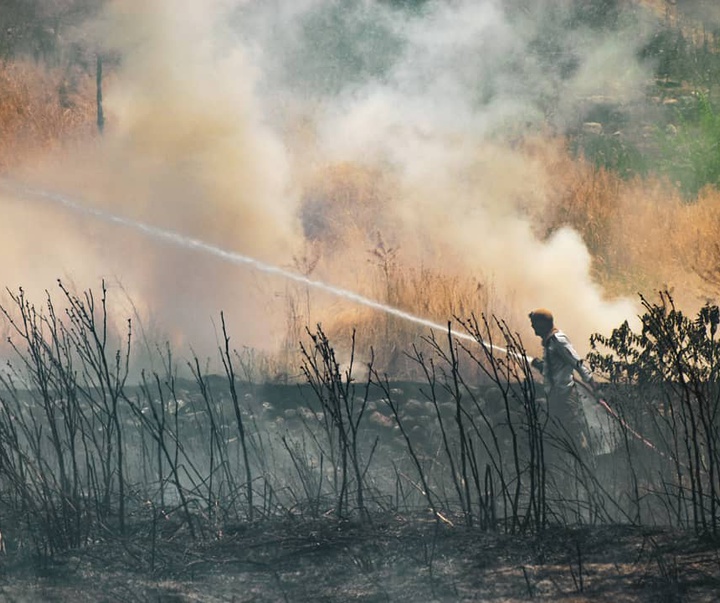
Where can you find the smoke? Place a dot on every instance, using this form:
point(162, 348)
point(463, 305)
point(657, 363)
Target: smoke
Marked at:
point(705, 12)
point(226, 120)
point(186, 149)
point(442, 112)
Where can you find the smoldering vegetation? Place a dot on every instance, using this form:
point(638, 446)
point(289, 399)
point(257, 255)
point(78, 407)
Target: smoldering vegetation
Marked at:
point(439, 157)
point(87, 455)
point(460, 161)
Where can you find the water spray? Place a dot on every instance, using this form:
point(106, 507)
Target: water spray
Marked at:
point(238, 258)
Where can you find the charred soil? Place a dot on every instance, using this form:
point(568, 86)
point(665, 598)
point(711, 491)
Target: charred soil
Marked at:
point(390, 558)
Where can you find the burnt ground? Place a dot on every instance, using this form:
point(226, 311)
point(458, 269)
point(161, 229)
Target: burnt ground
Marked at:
point(384, 559)
point(394, 558)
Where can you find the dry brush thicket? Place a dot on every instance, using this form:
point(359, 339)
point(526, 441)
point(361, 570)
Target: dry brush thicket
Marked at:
point(41, 108)
point(642, 234)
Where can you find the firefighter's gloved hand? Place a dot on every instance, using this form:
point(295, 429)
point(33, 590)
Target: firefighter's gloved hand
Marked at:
point(537, 364)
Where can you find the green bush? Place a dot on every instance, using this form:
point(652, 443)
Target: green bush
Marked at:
point(665, 380)
point(610, 152)
point(689, 155)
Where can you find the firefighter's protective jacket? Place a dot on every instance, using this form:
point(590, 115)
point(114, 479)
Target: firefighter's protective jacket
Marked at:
point(560, 360)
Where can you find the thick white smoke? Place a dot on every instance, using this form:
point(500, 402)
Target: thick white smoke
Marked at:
point(220, 113)
point(440, 105)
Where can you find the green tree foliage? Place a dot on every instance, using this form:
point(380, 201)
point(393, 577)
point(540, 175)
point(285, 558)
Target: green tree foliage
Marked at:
point(685, 52)
point(36, 27)
point(611, 153)
point(671, 347)
point(668, 51)
point(685, 60)
point(673, 366)
point(597, 14)
point(410, 4)
point(690, 153)
point(23, 30)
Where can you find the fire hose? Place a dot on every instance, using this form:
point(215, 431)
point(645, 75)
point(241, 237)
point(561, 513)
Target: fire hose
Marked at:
point(622, 422)
point(590, 391)
point(198, 245)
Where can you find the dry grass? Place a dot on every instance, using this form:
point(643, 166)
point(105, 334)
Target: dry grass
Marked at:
point(40, 108)
point(422, 292)
point(641, 234)
point(353, 243)
point(342, 202)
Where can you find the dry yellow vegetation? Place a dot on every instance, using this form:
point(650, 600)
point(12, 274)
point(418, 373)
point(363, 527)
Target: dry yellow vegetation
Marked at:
point(641, 234)
point(41, 108)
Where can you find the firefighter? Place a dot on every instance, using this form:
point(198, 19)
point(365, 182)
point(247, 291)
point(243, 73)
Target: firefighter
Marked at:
point(559, 363)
